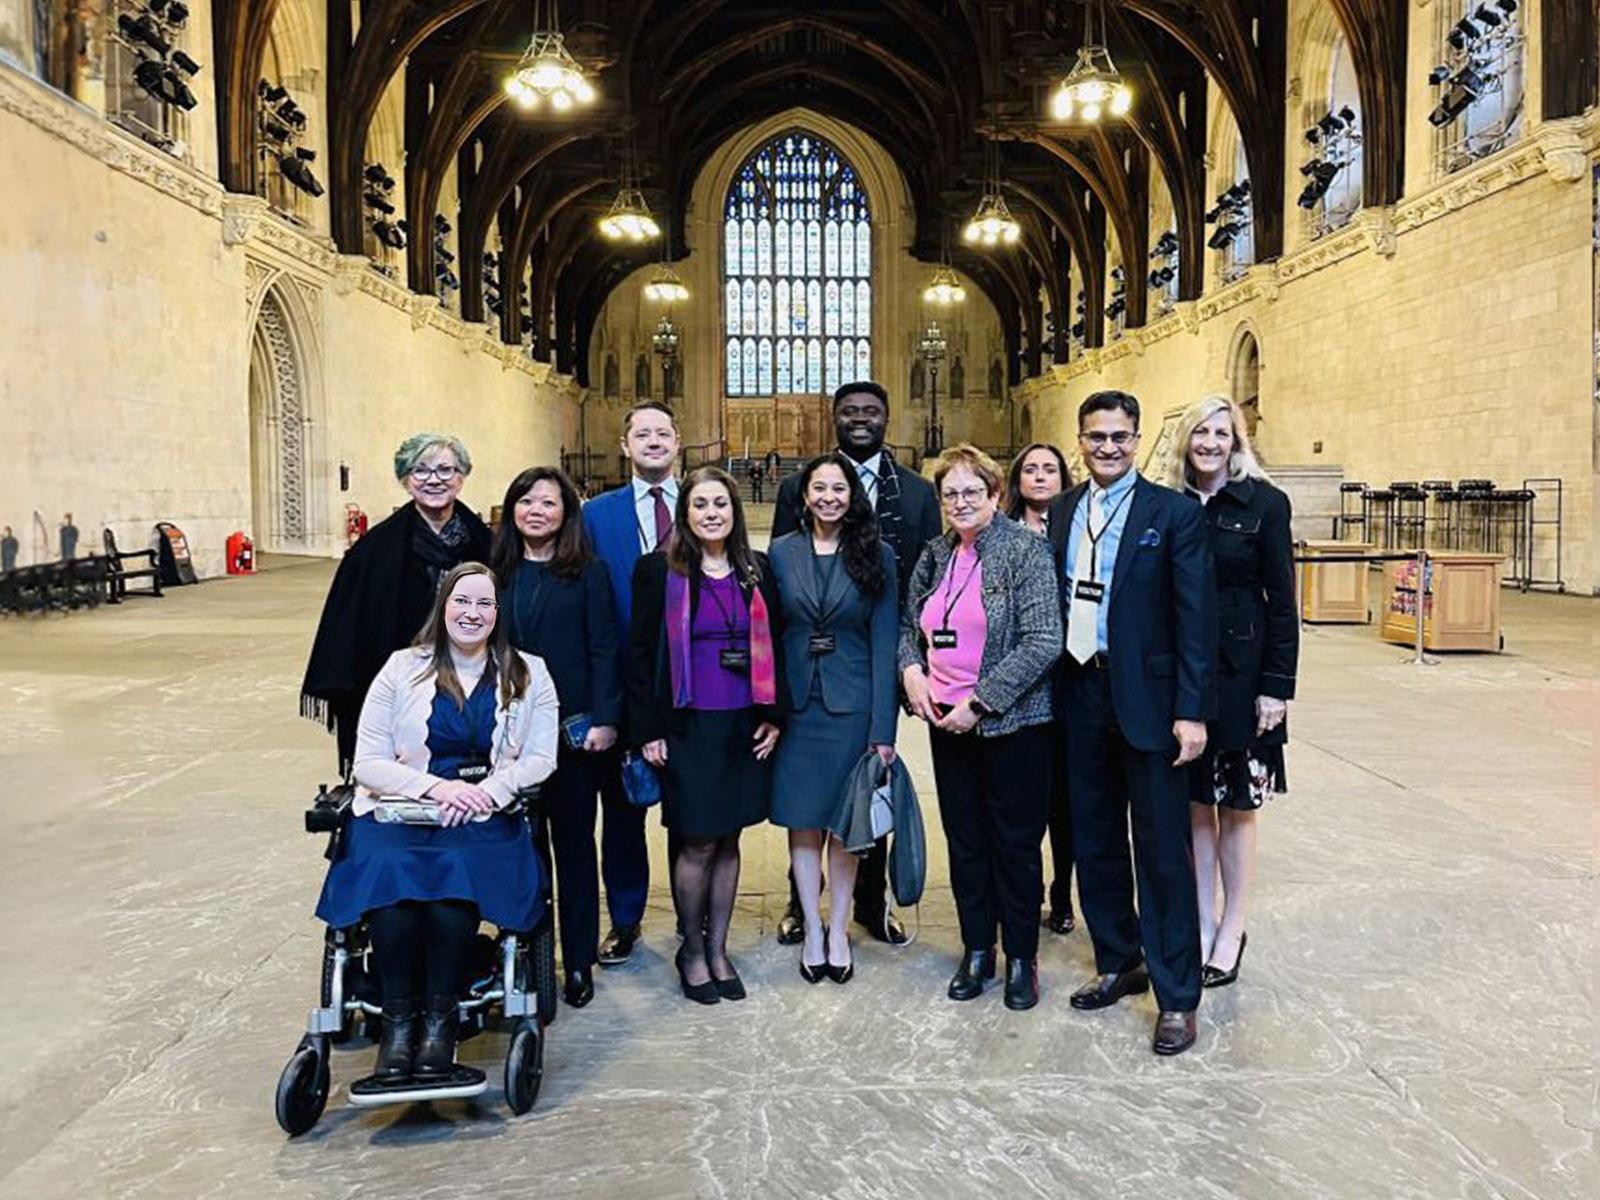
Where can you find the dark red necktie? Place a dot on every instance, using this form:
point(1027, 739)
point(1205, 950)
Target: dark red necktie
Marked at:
point(663, 517)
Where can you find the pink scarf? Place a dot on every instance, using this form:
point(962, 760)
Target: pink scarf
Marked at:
point(763, 665)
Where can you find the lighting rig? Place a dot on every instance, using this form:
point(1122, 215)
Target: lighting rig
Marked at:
point(1476, 45)
point(377, 186)
point(1119, 294)
point(1080, 320)
point(1164, 257)
point(1230, 214)
point(443, 259)
point(1334, 139)
point(281, 124)
point(148, 29)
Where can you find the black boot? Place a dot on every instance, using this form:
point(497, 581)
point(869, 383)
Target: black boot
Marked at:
point(436, 1049)
point(1022, 983)
point(397, 1045)
point(976, 967)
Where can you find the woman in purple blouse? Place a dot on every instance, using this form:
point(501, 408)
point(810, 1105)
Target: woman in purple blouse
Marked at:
point(704, 687)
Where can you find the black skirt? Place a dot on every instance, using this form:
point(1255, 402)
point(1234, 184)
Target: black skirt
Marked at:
point(713, 784)
point(1238, 779)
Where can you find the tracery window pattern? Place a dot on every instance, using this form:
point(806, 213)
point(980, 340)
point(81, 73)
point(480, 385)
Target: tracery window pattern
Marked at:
point(797, 271)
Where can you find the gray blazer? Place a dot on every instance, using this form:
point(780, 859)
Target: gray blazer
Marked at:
point(859, 676)
point(1022, 604)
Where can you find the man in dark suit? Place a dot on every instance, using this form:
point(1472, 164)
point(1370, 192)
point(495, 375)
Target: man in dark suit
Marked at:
point(908, 517)
point(624, 524)
point(1136, 689)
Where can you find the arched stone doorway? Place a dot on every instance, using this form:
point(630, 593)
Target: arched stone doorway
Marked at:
point(1246, 374)
point(280, 431)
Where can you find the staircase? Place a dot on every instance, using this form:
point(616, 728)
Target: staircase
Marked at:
point(739, 468)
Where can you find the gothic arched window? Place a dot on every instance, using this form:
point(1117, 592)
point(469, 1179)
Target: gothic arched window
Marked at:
point(797, 271)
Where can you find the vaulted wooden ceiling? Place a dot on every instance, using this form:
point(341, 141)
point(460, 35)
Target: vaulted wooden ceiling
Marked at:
point(931, 80)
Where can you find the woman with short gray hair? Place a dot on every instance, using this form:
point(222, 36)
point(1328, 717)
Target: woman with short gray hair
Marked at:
point(385, 586)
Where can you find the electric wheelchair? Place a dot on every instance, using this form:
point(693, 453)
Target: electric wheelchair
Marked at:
point(512, 987)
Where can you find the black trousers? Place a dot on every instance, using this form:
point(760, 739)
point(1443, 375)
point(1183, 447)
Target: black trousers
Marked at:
point(1060, 833)
point(625, 860)
point(1109, 781)
point(420, 950)
point(993, 802)
point(569, 802)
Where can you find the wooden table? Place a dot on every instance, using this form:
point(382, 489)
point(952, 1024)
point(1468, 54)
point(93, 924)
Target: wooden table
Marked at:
point(1460, 602)
point(1337, 592)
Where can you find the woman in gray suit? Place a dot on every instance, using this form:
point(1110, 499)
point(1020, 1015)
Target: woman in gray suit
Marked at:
point(836, 585)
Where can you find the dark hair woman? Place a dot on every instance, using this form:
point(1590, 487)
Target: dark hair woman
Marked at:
point(559, 606)
point(836, 583)
point(1038, 475)
point(462, 722)
point(704, 689)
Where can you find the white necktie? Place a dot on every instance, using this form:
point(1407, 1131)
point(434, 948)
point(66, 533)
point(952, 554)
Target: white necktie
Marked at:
point(1083, 638)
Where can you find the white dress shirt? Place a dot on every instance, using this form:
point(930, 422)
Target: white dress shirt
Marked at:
point(644, 509)
point(869, 471)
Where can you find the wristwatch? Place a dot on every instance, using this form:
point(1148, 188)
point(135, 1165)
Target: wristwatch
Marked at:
point(979, 707)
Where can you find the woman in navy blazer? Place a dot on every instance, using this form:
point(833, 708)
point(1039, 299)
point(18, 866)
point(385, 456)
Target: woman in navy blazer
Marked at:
point(558, 605)
point(836, 585)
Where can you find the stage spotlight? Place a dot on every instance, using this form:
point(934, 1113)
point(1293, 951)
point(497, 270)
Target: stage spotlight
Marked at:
point(1463, 34)
point(294, 168)
point(184, 63)
point(1438, 75)
point(144, 31)
point(1465, 87)
point(1487, 17)
point(1330, 124)
point(1347, 115)
point(374, 173)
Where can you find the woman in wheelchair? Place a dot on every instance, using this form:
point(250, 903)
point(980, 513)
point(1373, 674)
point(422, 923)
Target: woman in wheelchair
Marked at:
point(452, 729)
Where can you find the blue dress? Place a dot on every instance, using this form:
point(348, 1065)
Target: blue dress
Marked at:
point(488, 863)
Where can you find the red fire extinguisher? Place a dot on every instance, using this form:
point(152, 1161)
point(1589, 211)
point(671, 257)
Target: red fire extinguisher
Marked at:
point(241, 554)
point(355, 524)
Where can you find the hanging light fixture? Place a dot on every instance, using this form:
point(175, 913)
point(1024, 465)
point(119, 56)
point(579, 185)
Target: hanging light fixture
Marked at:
point(547, 73)
point(1093, 86)
point(665, 287)
point(944, 289)
point(629, 219)
point(992, 224)
point(665, 339)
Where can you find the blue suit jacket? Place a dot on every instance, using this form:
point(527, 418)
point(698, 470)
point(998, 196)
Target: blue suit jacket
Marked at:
point(1161, 626)
point(613, 528)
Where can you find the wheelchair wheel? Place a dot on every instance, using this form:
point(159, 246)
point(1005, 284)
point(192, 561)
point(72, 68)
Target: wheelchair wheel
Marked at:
point(543, 957)
point(524, 1066)
point(303, 1088)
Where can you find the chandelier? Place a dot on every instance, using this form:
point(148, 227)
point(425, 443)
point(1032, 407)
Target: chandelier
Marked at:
point(629, 218)
point(944, 289)
point(933, 343)
point(547, 73)
point(1093, 86)
point(992, 224)
point(665, 339)
point(665, 287)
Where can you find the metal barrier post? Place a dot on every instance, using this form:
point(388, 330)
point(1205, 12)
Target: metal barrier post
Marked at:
point(1422, 658)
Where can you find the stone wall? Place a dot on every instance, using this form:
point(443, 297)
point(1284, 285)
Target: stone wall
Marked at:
point(125, 372)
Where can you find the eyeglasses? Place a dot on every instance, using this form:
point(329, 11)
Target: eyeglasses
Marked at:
point(443, 474)
point(1120, 438)
point(972, 495)
point(465, 602)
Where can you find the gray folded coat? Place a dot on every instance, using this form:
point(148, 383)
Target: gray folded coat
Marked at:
point(852, 824)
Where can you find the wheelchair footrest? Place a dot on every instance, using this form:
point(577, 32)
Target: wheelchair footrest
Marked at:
point(463, 1083)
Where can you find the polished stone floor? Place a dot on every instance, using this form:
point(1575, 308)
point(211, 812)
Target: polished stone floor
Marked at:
point(1416, 1017)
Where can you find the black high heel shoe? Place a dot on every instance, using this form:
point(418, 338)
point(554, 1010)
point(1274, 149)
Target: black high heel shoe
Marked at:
point(700, 993)
point(815, 972)
point(845, 973)
point(1215, 977)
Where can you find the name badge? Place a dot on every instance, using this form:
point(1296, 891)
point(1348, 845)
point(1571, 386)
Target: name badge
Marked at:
point(944, 639)
point(734, 660)
point(1091, 590)
point(822, 643)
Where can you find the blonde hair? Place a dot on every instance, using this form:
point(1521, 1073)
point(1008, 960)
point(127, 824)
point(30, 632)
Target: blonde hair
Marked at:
point(1242, 463)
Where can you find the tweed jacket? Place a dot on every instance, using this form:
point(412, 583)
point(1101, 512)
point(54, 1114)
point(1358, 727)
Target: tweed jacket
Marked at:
point(1023, 609)
point(392, 742)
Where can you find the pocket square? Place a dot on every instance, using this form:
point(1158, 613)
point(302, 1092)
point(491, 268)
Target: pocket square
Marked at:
point(1150, 538)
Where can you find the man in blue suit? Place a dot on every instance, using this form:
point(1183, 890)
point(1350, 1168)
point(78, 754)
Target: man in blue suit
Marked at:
point(624, 524)
point(1139, 596)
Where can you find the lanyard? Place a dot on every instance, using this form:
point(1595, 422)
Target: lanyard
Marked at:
point(949, 579)
point(732, 631)
point(1094, 538)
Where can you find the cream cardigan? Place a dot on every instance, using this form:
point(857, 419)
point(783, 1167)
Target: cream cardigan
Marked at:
point(392, 740)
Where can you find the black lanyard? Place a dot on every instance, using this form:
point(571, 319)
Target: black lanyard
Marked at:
point(730, 625)
point(949, 579)
point(1094, 538)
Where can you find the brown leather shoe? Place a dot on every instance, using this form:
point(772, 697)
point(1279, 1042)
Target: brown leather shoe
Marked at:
point(1175, 1032)
point(1105, 990)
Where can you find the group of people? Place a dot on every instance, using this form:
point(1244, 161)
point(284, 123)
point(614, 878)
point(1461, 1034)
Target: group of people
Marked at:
point(1106, 662)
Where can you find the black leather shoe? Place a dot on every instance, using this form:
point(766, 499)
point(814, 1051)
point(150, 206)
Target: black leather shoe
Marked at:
point(436, 1047)
point(884, 926)
point(397, 1045)
point(1022, 983)
point(728, 989)
point(976, 967)
point(792, 928)
point(580, 987)
point(845, 973)
point(1214, 977)
point(1175, 1033)
point(700, 993)
point(1060, 921)
point(1105, 990)
point(618, 945)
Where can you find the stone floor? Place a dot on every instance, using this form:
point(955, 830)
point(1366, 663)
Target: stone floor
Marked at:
point(1416, 1015)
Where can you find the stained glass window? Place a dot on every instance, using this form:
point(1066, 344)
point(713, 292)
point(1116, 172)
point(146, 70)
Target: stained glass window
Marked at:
point(797, 258)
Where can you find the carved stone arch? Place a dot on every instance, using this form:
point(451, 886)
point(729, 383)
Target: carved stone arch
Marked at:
point(1245, 367)
point(288, 429)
